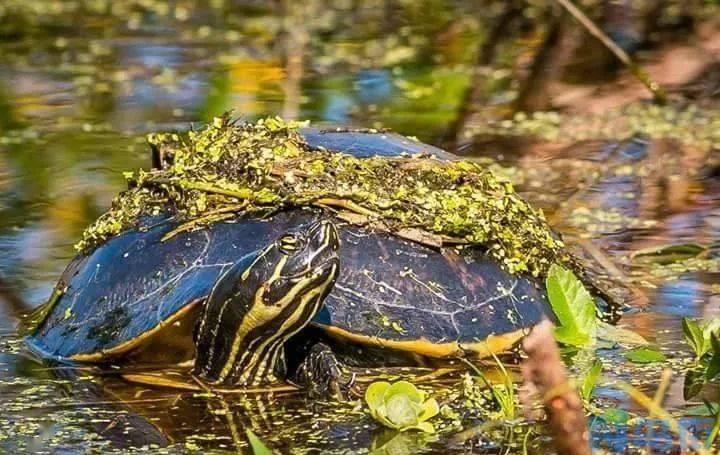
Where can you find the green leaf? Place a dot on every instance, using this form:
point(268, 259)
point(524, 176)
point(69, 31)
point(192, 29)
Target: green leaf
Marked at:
point(619, 335)
point(375, 394)
point(694, 337)
point(588, 385)
point(645, 355)
point(574, 307)
point(710, 327)
point(616, 416)
point(429, 410)
point(668, 254)
point(400, 411)
point(405, 388)
point(257, 446)
point(571, 337)
point(713, 368)
point(693, 384)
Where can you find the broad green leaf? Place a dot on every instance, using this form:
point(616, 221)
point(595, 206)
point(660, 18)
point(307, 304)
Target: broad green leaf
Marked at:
point(647, 354)
point(616, 416)
point(574, 307)
point(429, 410)
point(693, 384)
point(588, 385)
point(668, 254)
point(257, 446)
point(694, 337)
point(375, 394)
point(405, 388)
point(401, 412)
point(710, 330)
point(571, 337)
point(380, 417)
point(713, 368)
point(619, 335)
point(710, 327)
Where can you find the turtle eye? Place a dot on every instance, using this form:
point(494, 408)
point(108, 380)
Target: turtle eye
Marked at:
point(289, 243)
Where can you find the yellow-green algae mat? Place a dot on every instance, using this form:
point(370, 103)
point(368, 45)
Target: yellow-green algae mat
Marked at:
point(229, 168)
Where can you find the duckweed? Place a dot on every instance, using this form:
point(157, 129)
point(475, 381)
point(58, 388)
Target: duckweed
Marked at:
point(267, 165)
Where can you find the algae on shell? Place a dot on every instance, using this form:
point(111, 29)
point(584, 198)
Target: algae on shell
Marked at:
point(229, 168)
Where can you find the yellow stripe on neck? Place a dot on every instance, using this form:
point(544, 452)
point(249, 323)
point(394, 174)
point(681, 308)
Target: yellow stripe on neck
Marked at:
point(283, 333)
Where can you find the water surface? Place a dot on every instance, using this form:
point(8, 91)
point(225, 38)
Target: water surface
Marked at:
point(82, 82)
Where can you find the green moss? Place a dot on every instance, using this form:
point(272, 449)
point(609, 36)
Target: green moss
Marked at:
point(268, 165)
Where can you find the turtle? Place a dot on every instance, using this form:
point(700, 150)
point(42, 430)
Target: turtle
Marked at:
point(301, 295)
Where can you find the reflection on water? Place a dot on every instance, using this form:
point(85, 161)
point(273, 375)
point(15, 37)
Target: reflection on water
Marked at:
point(82, 82)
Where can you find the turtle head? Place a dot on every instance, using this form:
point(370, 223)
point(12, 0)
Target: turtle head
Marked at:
point(261, 302)
point(303, 253)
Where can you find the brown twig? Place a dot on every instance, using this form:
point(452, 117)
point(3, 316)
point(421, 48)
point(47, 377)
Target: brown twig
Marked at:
point(545, 373)
point(657, 91)
point(208, 218)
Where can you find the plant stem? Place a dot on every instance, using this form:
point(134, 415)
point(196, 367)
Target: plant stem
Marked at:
point(714, 433)
point(655, 410)
point(662, 388)
point(246, 194)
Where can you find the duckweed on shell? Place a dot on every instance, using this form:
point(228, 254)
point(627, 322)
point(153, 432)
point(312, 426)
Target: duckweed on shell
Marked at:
point(267, 165)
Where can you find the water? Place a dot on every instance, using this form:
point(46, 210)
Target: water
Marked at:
point(82, 82)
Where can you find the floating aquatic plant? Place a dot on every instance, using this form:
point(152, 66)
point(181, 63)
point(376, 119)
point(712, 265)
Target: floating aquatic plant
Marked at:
point(401, 406)
point(647, 354)
point(501, 392)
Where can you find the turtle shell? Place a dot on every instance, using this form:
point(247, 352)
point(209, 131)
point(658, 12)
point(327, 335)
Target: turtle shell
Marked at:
point(437, 302)
point(367, 143)
point(135, 283)
point(391, 291)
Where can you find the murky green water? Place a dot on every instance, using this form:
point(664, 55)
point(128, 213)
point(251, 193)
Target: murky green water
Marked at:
point(81, 82)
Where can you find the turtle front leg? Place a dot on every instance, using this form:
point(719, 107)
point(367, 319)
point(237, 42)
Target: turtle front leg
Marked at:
point(322, 374)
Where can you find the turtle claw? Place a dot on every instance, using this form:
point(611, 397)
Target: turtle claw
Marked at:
point(345, 391)
point(323, 375)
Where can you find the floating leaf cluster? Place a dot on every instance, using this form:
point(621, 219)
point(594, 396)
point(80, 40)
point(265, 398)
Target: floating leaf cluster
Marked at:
point(229, 168)
point(401, 406)
point(687, 124)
